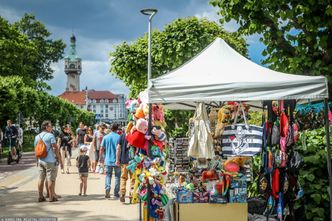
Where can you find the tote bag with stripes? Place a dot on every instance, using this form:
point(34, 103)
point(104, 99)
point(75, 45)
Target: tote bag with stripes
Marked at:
point(242, 139)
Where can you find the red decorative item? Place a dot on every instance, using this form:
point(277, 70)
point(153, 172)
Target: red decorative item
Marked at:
point(275, 183)
point(136, 139)
point(209, 175)
point(284, 124)
point(296, 132)
point(159, 144)
point(220, 186)
point(232, 167)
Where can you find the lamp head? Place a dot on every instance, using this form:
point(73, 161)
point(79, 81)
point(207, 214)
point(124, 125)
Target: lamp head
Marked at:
point(149, 11)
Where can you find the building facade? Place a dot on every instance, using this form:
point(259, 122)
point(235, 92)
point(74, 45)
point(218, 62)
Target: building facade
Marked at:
point(107, 106)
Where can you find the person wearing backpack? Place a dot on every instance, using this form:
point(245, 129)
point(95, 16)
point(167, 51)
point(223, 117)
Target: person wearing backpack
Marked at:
point(47, 152)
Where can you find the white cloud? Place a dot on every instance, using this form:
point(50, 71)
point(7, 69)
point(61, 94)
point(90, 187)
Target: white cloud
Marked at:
point(211, 13)
point(94, 75)
point(10, 14)
point(95, 64)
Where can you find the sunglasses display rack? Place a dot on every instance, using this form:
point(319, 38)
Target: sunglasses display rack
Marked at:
point(178, 154)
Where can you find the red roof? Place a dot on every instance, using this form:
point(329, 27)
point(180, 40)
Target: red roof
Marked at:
point(76, 97)
point(92, 94)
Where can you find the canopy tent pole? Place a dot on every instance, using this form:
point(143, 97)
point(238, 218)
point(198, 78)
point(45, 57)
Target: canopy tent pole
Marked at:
point(328, 150)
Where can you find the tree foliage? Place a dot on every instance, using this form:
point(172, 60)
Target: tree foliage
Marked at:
point(314, 174)
point(180, 41)
point(27, 50)
point(16, 97)
point(297, 34)
point(177, 43)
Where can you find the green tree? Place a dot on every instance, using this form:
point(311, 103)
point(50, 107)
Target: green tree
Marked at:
point(180, 41)
point(177, 43)
point(16, 97)
point(27, 50)
point(16, 52)
point(297, 34)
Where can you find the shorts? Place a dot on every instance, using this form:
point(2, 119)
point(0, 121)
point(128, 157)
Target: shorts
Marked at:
point(84, 174)
point(48, 170)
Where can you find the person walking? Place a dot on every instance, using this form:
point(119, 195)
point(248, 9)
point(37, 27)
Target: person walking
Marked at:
point(97, 139)
point(123, 158)
point(20, 139)
point(48, 166)
point(80, 133)
point(88, 138)
point(1, 143)
point(11, 134)
point(65, 142)
point(108, 146)
point(83, 164)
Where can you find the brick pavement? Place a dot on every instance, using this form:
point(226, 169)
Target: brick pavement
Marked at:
point(18, 196)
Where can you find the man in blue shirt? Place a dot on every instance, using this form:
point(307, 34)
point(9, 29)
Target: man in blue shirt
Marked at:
point(48, 166)
point(108, 146)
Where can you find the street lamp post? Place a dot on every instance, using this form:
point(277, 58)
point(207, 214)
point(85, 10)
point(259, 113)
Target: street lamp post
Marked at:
point(149, 12)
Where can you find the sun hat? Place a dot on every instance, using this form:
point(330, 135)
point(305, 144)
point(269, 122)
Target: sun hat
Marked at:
point(84, 148)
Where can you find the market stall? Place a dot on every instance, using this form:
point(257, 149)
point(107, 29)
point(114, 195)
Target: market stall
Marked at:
point(220, 74)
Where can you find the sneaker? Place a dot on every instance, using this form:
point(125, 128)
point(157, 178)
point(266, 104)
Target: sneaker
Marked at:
point(97, 169)
point(101, 170)
point(122, 199)
point(107, 195)
point(115, 197)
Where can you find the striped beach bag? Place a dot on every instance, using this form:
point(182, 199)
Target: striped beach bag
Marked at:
point(242, 139)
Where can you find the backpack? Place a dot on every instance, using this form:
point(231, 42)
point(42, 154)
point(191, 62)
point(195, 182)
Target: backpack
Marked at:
point(40, 148)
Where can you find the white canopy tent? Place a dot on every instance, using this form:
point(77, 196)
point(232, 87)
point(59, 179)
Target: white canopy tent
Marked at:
point(219, 73)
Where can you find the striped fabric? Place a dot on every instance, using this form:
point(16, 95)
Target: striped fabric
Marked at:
point(242, 140)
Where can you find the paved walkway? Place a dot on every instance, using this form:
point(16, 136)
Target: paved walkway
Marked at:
point(18, 197)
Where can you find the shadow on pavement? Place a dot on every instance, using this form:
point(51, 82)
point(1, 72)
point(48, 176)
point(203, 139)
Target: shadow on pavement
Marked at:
point(28, 160)
point(24, 204)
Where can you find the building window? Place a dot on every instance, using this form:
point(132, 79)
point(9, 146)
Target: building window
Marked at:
point(102, 115)
point(94, 106)
point(106, 110)
point(94, 111)
point(106, 115)
point(102, 101)
point(101, 111)
point(106, 105)
point(106, 100)
point(94, 100)
point(114, 101)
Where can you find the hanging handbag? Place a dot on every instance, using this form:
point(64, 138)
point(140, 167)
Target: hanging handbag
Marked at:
point(242, 139)
point(201, 141)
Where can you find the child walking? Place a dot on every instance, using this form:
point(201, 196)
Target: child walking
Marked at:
point(83, 164)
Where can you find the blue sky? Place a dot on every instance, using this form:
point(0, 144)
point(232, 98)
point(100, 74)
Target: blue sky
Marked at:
point(100, 25)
